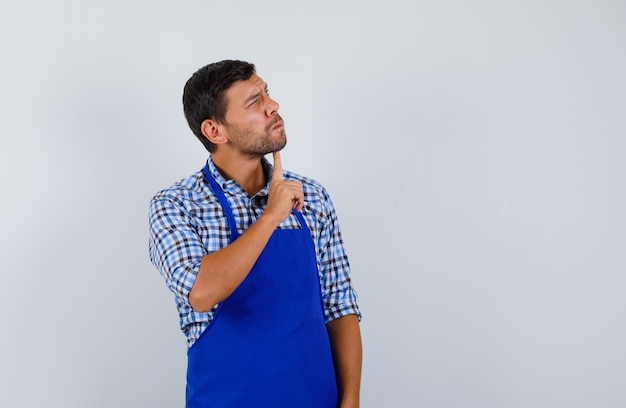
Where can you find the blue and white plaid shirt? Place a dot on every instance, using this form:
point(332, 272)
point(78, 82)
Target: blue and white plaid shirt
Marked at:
point(187, 222)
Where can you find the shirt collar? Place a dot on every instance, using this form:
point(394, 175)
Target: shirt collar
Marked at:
point(232, 186)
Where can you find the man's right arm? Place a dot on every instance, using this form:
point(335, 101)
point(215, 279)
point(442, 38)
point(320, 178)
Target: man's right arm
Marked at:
point(221, 272)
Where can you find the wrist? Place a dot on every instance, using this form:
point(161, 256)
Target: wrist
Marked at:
point(351, 403)
point(349, 399)
point(270, 220)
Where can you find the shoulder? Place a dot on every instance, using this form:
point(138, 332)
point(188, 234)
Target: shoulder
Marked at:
point(185, 193)
point(316, 197)
point(309, 186)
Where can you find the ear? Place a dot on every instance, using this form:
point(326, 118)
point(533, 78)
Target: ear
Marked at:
point(213, 131)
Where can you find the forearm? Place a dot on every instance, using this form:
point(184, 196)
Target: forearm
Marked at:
point(345, 340)
point(222, 271)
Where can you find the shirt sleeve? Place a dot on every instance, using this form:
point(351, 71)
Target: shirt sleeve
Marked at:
point(339, 296)
point(175, 246)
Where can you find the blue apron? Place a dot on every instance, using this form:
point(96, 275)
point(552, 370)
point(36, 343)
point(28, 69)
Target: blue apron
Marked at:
point(267, 345)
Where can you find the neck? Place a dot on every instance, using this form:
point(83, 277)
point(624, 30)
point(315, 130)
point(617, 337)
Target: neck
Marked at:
point(247, 171)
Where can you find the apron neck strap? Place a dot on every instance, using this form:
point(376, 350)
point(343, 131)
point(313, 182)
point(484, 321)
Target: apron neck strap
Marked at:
point(234, 234)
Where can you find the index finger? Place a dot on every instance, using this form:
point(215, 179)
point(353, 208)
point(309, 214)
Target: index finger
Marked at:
point(277, 174)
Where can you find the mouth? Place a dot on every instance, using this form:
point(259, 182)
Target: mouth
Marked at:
point(279, 124)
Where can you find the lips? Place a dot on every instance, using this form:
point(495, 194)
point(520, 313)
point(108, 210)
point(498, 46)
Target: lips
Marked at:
point(277, 125)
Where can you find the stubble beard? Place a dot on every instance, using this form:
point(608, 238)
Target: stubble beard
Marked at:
point(257, 145)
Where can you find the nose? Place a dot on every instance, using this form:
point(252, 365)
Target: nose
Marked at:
point(271, 107)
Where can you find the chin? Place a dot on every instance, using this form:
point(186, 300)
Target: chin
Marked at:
point(281, 146)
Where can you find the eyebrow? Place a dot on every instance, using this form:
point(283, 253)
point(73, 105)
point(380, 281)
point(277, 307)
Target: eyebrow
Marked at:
point(252, 97)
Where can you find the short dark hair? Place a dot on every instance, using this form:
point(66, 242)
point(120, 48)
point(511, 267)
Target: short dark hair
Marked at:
point(203, 96)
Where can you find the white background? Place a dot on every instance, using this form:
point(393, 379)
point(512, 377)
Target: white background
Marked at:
point(473, 149)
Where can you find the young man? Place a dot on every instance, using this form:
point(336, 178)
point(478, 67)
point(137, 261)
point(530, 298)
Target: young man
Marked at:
point(255, 259)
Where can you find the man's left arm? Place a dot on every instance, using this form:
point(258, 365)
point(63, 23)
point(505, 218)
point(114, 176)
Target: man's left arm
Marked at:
point(340, 305)
point(345, 342)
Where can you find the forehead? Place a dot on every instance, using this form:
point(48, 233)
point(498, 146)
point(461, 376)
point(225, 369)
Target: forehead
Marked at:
point(239, 91)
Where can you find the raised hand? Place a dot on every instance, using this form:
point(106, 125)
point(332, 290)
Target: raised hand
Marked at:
point(284, 195)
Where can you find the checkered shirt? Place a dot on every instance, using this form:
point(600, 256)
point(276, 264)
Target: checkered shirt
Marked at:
point(187, 222)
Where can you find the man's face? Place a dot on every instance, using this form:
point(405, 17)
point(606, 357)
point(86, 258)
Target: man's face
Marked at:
point(252, 123)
